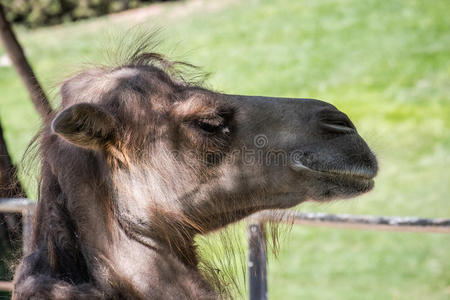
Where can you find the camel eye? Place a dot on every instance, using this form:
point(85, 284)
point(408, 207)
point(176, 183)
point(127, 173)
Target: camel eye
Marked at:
point(210, 125)
point(218, 123)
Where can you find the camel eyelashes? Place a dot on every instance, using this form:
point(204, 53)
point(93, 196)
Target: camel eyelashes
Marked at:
point(217, 123)
point(210, 125)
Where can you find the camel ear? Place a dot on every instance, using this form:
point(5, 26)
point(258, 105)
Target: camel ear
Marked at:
point(86, 125)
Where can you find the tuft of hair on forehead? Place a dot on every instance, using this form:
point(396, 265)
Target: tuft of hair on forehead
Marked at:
point(139, 48)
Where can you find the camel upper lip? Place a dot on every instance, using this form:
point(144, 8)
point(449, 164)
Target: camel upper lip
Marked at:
point(356, 173)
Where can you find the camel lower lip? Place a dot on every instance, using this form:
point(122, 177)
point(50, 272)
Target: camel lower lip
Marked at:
point(358, 182)
point(298, 166)
point(347, 175)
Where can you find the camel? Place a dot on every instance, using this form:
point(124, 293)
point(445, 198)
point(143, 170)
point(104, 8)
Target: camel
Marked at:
point(138, 161)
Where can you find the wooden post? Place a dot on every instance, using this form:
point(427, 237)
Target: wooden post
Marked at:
point(125, 4)
point(10, 225)
point(10, 187)
point(20, 62)
point(257, 262)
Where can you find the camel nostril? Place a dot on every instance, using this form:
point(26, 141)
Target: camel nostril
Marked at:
point(338, 128)
point(338, 123)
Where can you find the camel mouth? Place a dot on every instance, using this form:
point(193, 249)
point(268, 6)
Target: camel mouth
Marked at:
point(360, 176)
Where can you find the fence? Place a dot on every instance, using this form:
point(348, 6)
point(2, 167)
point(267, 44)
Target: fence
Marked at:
point(257, 258)
point(256, 242)
point(26, 208)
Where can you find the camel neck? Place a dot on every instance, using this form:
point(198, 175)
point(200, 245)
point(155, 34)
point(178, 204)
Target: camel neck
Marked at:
point(178, 243)
point(141, 263)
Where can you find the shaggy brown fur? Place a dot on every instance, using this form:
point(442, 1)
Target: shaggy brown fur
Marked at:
point(138, 162)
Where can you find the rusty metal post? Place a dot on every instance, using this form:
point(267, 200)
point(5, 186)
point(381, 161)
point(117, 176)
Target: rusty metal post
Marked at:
point(27, 220)
point(257, 262)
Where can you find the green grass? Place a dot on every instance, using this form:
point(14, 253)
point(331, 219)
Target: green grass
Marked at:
point(385, 63)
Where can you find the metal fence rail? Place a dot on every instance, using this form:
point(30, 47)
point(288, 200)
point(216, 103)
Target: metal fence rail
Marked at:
point(411, 224)
point(257, 246)
point(15, 205)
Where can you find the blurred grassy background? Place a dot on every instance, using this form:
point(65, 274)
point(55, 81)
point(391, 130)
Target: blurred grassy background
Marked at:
point(385, 63)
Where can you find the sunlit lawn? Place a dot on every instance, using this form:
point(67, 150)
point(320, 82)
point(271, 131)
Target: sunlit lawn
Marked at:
point(385, 63)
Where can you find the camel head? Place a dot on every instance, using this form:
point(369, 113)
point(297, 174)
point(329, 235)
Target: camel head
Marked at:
point(176, 153)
